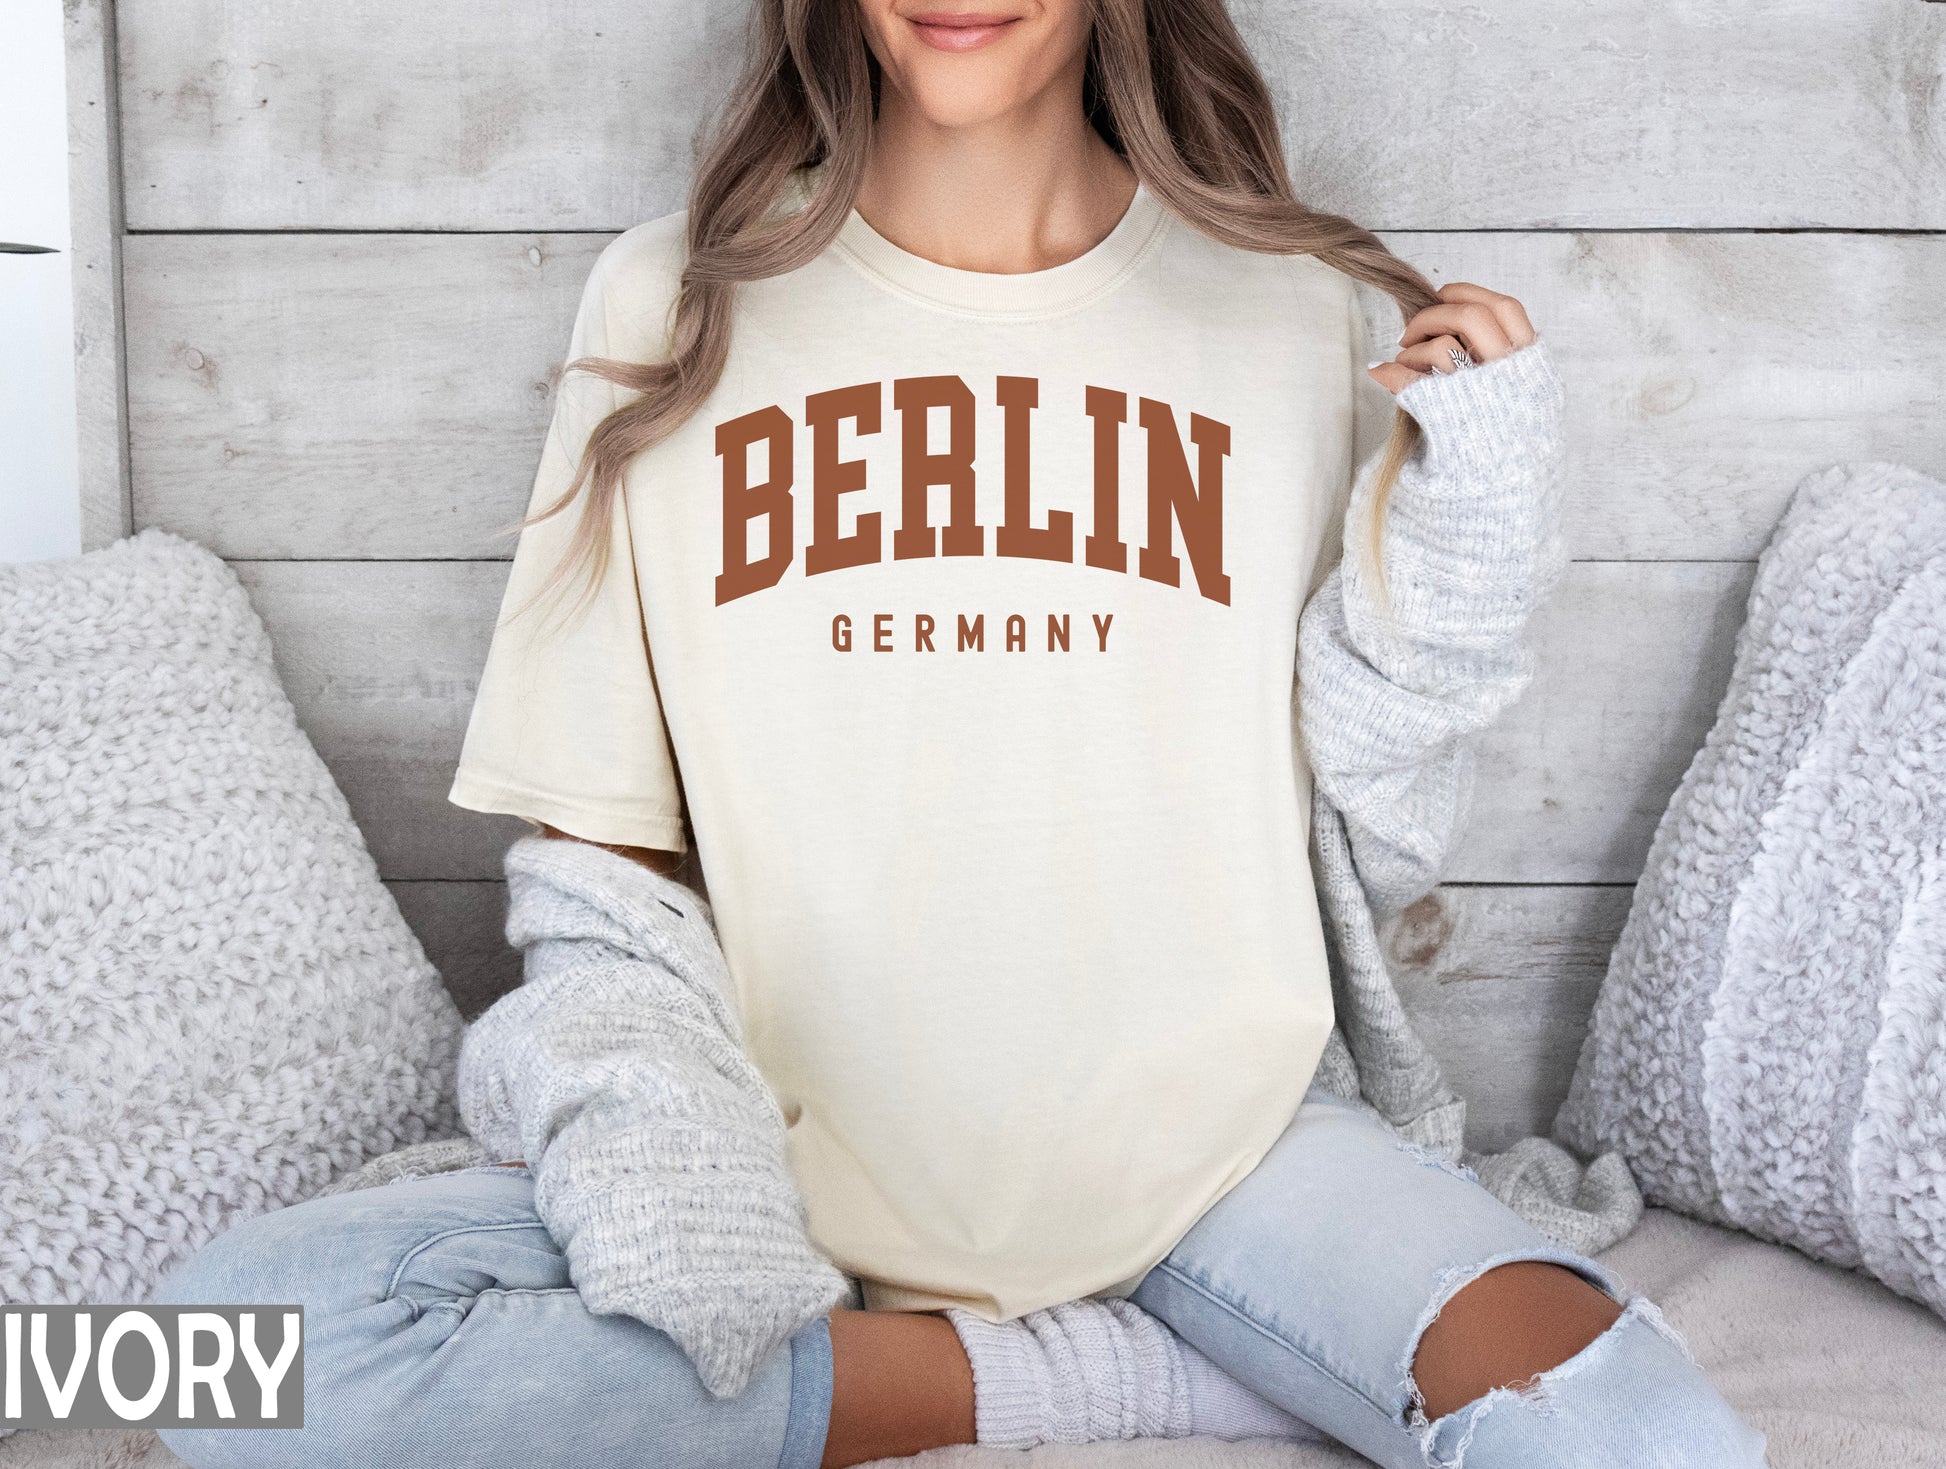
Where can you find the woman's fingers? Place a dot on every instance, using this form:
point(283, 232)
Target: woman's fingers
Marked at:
point(1415, 362)
point(1484, 324)
point(1392, 376)
point(1489, 323)
point(1473, 323)
point(1432, 356)
point(1511, 315)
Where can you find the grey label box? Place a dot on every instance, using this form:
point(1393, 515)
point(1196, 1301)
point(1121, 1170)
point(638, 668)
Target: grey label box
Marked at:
point(151, 1366)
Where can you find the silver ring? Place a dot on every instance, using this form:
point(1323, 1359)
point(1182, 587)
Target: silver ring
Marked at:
point(1461, 358)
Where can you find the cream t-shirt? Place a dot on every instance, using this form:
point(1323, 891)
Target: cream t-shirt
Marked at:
point(961, 621)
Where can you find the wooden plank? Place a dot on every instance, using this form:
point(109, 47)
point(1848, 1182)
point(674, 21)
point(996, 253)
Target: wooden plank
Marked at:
point(381, 660)
point(448, 114)
point(95, 233)
point(1501, 981)
point(345, 396)
point(463, 928)
point(494, 114)
point(1707, 374)
point(1632, 661)
point(384, 396)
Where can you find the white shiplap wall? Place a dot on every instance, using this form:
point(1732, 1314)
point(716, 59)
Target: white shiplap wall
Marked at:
point(356, 234)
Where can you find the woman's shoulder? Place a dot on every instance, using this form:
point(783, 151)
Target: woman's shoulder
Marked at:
point(1370, 311)
point(645, 261)
point(1331, 281)
point(627, 303)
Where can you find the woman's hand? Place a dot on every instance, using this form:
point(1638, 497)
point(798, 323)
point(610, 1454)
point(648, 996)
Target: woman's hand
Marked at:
point(1485, 324)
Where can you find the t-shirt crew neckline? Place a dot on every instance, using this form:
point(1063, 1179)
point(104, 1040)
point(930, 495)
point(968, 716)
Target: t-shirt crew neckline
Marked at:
point(1023, 295)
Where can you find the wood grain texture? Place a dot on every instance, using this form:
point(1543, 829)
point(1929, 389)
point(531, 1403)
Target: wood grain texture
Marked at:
point(381, 660)
point(1707, 374)
point(1501, 981)
point(345, 396)
point(1632, 662)
point(497, 115)
point(372, 396)
point(448, 114)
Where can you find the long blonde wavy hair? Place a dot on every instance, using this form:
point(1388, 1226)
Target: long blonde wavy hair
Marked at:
point(1170, 87)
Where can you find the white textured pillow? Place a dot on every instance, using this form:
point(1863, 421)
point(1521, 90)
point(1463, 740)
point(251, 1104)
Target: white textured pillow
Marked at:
point(209, 1004)
point(1769, 1047)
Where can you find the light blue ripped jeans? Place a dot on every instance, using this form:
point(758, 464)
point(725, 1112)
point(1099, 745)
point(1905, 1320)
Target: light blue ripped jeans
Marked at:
point(1311, 1282)
point(441, 1328)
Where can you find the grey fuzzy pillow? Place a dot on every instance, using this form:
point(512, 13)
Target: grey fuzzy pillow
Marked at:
point(1769, 1047)
point(209, 1004)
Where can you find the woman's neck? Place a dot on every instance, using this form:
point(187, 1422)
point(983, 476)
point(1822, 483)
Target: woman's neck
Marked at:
point(1022, 192)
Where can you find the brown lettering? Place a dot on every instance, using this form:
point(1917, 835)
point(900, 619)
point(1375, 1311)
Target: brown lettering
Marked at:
point(1017, 535)
point(1196, 507)
point(1105, 547)
point(744, 502)
point(832, 477)
point(1016, 634)
point(921, 469)
point(973, 634)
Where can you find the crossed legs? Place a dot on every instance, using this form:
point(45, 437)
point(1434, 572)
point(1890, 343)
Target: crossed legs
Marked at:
point(902, 1383)
point(1388, 1300)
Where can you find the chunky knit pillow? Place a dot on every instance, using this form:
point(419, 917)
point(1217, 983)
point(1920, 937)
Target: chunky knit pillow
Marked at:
point(209, 1004)
point(1769, 1047)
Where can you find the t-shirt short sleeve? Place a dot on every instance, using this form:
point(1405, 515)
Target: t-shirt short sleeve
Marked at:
point(1372, 412)
point(566, 727)
point(1373, 406)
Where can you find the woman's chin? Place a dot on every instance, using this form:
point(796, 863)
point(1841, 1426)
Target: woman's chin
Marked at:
point(961, 99)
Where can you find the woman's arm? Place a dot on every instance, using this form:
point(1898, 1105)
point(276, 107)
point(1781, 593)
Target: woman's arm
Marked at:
point(618, 1071)
point(656, 859)
point(1393, 682)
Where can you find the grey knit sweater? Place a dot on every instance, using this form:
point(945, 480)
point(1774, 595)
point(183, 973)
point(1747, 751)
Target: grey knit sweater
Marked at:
point(617, 1069)
point(1392, 686)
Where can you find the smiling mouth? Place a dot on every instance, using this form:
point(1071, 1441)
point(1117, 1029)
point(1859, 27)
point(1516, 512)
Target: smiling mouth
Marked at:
point(960, 30)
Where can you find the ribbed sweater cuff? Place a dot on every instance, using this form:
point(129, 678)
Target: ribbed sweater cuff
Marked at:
point(1488, 405)
point(1471, 531)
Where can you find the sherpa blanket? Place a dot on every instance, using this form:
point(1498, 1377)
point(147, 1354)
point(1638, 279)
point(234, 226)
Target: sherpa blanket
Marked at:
point(1769, 1047)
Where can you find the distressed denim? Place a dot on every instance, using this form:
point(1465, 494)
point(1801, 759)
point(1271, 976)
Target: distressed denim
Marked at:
point(441, 1328)
point(1312, 1280)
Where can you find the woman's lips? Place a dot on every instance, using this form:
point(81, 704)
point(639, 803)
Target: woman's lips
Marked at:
point(960, 31)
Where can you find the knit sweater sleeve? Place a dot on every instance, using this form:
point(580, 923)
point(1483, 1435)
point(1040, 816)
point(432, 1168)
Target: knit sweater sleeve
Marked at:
point(1394, 683)
point(617, 1071)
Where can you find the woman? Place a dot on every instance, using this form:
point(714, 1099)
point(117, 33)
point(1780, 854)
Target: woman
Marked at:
point(944, 489)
